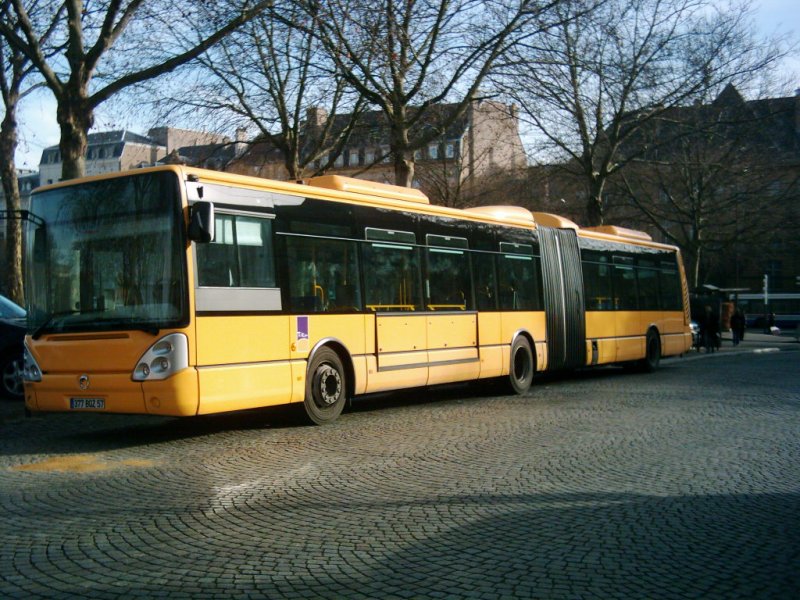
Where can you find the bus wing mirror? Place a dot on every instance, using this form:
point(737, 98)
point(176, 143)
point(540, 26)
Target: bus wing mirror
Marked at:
point(201, 222)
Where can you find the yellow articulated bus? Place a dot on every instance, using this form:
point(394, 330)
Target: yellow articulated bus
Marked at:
point(181, 291)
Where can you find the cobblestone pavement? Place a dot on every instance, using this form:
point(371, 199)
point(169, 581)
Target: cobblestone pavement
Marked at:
point(680, 484)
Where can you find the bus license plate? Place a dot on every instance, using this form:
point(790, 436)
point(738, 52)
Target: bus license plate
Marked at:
point(91, 403)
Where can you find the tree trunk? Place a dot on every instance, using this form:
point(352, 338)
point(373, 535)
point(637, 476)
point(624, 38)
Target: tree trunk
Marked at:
point(696, 267)
point(403, 157)
point(8, 173)
point(594, 203)
point(403, 169)
point(75, 119)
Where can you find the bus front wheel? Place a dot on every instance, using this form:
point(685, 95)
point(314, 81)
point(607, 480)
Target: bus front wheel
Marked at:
point(326, 387)
point(520, 376)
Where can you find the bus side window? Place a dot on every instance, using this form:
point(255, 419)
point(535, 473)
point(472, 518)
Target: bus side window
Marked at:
point(448, 280)
point(626, 296)
point(323, 275)
point(485, 280)
point(240, 255)
point(670, 287)
point(391, 277)
point(517, 285)
point(597, 286)
point(649, 296)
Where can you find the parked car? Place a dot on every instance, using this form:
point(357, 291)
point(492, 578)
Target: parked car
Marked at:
point(695, 334)
point(12, 336)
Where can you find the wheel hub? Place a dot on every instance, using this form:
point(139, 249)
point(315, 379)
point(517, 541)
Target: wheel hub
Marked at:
point(330, 384)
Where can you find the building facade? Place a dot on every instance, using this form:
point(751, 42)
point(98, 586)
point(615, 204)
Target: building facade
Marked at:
point(720, 179)
point(471, 156)
point(121, 150)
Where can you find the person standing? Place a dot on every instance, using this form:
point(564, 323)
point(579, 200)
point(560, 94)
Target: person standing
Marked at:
point(737, 326)
point(711, 330)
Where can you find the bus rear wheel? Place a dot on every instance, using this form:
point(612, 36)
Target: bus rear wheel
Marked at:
point(326, 387)
point(652, 352)
point(520, 376)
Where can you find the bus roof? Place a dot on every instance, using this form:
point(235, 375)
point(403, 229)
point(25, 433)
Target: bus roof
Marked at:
point(361, 191)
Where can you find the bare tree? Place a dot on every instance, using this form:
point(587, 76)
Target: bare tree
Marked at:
point(89, 72)
point(406, 57)
point(15, 84)
point(590, 84)
point(275, 79)
point(722, 184)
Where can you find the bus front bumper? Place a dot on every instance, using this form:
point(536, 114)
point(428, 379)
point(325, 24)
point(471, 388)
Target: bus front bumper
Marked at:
point(114, 393)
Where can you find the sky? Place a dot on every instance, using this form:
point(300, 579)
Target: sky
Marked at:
point(38, 127)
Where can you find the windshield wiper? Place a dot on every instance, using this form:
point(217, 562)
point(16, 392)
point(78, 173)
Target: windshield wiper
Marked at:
point(37, 333)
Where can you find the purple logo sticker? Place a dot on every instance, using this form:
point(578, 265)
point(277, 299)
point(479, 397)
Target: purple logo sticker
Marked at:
point(302, 329)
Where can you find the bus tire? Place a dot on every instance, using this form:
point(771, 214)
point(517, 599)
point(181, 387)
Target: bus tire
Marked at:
point(326, 387)
point(521, 369)
point(652, 352)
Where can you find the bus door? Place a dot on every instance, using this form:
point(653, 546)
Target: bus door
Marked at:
point(452, 322)
point(563, 298)
point(393, 294)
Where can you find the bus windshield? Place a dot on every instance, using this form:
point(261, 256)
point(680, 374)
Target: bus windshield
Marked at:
point(110, 255)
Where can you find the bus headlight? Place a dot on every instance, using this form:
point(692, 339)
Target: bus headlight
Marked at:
point(30, 369)
point(166, 357)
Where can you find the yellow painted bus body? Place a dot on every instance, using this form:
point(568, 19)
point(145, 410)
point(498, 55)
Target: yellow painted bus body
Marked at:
point(241, 362)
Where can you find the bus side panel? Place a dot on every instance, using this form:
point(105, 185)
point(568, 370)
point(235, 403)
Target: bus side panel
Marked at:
point(401, 358)
point(402, 355)
point(675, 339)
point(350, 330)
point(223, 340)
point(493, 353)
point(458, 364)
point(401, 333)
point(652, 318)
point(354, 331)
point(243, 362)
point(394, 378)
point(452, 347)
point(532, 322)
point(238, 387)
point(600, 327)
point(630, 335)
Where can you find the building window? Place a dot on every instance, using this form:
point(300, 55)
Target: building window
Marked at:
point(417, 154)
point(339, 161)
point(449, 151)
point(386, 153)
point(433, 151)
point(369, 157)
point(353, 158)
